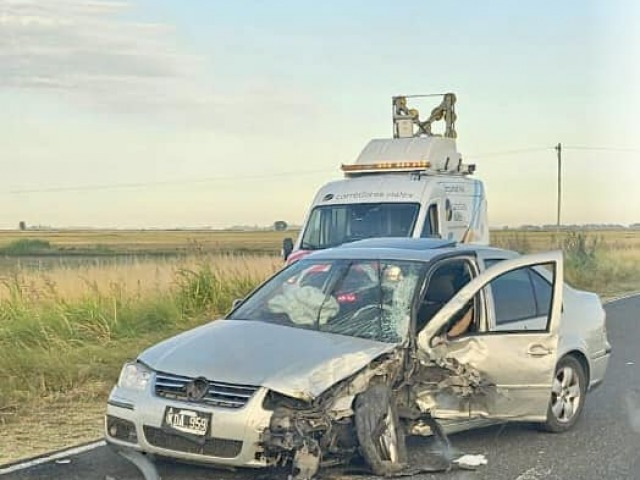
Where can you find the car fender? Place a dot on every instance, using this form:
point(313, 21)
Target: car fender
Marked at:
point(571, 343)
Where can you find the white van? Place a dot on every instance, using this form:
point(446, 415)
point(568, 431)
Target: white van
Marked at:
point(412, 185)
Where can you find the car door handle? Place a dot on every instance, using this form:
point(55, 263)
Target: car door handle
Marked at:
point(538, 350)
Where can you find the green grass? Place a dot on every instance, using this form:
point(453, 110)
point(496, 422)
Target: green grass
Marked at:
point(52, 346)
point(26, 246)
point(604, 262)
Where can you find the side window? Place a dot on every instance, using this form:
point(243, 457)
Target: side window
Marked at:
point(522, 296)
point(513, 297)
point(543, 291)
point(431, 226)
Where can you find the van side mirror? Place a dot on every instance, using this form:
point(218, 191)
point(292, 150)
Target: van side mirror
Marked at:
point(287, 247)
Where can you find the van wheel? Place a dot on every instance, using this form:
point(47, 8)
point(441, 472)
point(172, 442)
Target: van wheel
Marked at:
point(379, 432)
point(568, 393)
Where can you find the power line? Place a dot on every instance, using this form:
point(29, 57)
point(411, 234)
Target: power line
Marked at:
point(114, 186)
point(502, 153)
point(602, 149)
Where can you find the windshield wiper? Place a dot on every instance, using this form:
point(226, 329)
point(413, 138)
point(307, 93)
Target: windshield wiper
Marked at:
point(306, 246)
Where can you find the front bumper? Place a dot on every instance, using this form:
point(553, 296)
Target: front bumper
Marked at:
point(232, 440)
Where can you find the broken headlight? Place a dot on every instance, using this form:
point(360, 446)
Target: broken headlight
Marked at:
point(273, 400)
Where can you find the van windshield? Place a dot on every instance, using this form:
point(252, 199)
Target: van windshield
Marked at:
point(333, 225)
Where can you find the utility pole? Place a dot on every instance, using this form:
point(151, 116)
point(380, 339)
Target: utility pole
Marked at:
point(559, 150)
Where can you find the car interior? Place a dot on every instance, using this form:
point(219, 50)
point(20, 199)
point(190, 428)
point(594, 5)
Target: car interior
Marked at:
point(443, 284)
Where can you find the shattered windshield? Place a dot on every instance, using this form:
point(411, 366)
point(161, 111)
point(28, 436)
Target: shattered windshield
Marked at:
point(360, 298)
point(333, 225)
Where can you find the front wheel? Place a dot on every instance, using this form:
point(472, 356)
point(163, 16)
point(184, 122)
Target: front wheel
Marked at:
point(381, 437)
point(568, 393)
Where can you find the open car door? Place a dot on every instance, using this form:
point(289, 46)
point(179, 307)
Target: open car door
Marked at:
point(502, 375)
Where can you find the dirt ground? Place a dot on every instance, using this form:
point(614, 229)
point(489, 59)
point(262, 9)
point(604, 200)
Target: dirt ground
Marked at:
point(52, 424)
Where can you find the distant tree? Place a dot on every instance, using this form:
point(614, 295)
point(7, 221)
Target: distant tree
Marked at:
point(280, 226)
point(22, 226)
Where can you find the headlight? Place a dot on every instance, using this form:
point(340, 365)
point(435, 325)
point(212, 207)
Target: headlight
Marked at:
point(134, 376)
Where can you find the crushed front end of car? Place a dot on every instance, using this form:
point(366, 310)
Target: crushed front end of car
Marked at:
point(305, 435)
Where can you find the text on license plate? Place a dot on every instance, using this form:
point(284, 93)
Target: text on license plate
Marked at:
point(187, 421)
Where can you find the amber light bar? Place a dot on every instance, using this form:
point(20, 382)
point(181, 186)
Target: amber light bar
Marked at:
point(386, 166)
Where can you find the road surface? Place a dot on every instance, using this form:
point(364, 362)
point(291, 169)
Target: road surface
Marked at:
point(605, 444)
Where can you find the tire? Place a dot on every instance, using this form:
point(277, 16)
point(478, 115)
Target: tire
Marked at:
point(380, 434)
point(568, 393)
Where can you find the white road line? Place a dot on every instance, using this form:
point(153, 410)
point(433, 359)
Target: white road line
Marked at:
point(623, 297)
point(55, 456)
point(533, 474)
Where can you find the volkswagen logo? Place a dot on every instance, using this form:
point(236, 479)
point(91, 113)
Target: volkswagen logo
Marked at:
point(197, 389)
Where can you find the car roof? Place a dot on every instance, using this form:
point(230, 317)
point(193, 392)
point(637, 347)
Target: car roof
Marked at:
point(420, 249)
point(408, 243)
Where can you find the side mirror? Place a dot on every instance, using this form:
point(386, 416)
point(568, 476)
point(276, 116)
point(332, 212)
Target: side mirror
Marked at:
point(287, 247)
point(236, 303)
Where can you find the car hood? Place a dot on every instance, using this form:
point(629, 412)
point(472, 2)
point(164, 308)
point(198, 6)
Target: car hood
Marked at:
point(295, 362)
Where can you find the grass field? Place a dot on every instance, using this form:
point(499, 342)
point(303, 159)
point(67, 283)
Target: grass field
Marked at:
point(607, 262)
point(67, 326)
point(150, 241)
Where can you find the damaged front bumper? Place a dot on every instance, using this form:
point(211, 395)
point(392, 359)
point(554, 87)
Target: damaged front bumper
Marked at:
point(134, 421)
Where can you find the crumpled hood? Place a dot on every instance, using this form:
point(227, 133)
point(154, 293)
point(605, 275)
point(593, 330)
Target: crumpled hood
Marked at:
point(295, 362)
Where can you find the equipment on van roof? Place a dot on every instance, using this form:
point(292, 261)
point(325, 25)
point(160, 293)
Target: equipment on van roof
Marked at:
point(414, 147)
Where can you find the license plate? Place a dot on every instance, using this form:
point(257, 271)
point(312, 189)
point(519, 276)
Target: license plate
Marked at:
point(187, 421)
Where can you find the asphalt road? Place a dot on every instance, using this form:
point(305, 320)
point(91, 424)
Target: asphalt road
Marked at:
point(605, 444)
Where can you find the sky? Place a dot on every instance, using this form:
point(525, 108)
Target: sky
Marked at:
point(185, 113)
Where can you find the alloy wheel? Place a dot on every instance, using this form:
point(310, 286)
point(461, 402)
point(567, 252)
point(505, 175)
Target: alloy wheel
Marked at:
point(565, 394)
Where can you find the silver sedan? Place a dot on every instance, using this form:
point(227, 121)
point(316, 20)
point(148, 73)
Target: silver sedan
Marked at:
point(349, 350)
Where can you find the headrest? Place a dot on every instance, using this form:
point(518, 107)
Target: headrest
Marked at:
point(440, 289)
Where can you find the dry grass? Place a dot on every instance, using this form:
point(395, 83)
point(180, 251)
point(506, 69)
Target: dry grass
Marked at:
point(155, 241)
point(607, 262)
point(617, 240)
point(65, 333)
point(135, 279)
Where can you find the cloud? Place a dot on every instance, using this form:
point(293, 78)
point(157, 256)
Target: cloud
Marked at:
point(90, 53)
point(87, 51)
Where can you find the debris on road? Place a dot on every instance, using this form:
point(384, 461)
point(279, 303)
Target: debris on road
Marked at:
point(470, 462)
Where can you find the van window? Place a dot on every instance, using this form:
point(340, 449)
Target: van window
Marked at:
point(333, 225)
point(431, 226)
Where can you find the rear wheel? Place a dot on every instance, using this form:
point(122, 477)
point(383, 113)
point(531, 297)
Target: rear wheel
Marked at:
point(567, 395)
point(381, 437)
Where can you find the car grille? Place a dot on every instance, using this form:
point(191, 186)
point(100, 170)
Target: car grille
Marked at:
point(211, 446)
point(219, 394)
